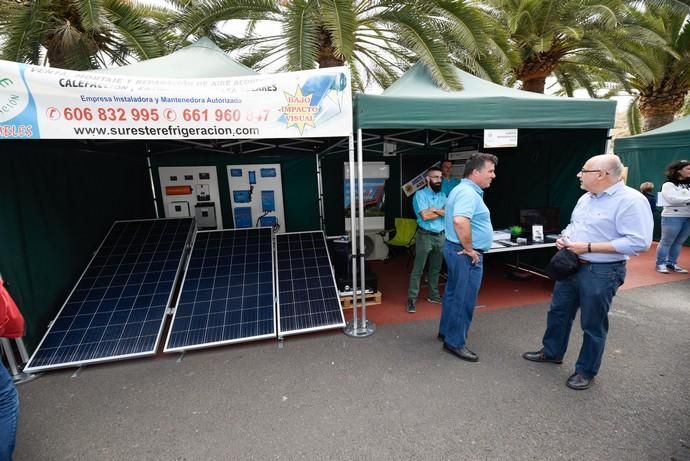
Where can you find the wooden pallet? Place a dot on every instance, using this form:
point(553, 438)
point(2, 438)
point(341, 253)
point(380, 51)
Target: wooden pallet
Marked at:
point(370, 298)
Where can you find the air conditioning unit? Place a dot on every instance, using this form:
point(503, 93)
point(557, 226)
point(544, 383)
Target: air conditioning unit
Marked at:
point(374, 246)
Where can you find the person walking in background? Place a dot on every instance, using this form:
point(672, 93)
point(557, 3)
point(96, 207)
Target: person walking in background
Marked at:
point(448, 182)
point(646, 188)
point(468, 235)
point(675, 217)
point(609, 223)
point(428, 204)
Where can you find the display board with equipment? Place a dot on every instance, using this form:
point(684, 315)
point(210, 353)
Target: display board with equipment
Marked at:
point(191, 191)
point(256, 195)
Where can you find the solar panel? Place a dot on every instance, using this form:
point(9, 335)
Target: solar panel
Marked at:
point(227, 291)
point(117, 308)
point(307, 296)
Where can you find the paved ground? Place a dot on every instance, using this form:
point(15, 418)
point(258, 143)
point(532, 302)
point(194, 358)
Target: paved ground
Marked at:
point(392, 396)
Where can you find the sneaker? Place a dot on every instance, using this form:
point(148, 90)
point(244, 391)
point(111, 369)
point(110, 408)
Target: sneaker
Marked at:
point(677, 268)
point(662, 268)
point(437, 300)
point(411, 308)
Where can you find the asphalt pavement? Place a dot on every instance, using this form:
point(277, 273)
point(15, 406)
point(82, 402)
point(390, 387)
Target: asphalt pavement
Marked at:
point(393, 396)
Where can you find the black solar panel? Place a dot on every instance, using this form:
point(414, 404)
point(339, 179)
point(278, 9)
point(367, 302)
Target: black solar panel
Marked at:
point(307, 296)
point(117, 308)
point(227, 293)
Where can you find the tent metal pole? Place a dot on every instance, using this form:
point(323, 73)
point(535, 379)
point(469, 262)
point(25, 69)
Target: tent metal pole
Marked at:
point(153, 189)
point(351, 327)
point(608, 142)
point(365, 327)
point(319, 180)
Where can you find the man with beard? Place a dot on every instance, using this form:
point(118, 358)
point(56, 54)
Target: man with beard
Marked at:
point(428, 206)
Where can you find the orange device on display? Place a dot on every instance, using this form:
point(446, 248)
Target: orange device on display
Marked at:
point(178, 190)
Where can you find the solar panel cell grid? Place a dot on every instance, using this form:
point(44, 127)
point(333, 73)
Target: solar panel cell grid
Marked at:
point(118, 306)
point(307, 294)
point(227, 293)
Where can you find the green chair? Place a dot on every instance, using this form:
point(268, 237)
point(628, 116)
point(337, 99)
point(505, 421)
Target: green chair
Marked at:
point(404, 237)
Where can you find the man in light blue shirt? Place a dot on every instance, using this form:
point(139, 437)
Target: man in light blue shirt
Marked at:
point(448, 182)
point(428, 204)
point(609, 223)
point(468, 236)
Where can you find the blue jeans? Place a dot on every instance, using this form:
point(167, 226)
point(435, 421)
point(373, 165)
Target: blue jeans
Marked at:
point(460, 297)
point(9, 412)
point(591, 290)
point(674, 232)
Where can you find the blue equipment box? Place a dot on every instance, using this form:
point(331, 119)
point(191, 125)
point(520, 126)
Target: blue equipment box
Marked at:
point(268, 201)
point(268, 221)
point(268, 172)
point(236, 172)
point(241, 196)
point(243, 217)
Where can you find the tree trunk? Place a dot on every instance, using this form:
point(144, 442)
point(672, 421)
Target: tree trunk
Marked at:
point(534, 70)
point(659, 105)
point(535, 85)
point(327, 56)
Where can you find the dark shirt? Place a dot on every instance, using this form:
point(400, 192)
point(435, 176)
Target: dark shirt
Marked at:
point(652, 200)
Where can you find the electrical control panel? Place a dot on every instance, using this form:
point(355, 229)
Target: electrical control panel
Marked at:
point(184, 188)
point(256, 192)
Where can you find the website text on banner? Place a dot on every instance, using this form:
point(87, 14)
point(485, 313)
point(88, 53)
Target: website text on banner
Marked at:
point(47, 103)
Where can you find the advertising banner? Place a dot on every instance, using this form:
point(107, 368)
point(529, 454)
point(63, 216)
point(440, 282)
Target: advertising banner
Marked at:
point(48, 103)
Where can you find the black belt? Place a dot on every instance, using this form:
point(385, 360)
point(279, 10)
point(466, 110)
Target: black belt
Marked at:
point(424, 231)
point(584, 261)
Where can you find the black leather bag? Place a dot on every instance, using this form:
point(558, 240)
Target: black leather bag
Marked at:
point(563, 264)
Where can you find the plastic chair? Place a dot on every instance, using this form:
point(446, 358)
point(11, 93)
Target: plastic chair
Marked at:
point(404, 237)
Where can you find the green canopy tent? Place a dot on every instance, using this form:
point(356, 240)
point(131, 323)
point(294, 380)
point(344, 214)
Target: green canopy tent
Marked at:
point(648, 154)
point(61, 196)
point(555, 136)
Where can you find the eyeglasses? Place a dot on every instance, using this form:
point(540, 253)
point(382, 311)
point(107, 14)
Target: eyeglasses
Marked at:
point(592, 171)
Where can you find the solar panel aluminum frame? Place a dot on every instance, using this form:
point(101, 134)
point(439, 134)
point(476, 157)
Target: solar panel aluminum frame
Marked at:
point(281, 333)
point(168, 349)
point(185, 254)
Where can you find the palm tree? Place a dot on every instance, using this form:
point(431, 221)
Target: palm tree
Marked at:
point(79, 34)
point(550, 33)
point(377, 39)
point(660, 76)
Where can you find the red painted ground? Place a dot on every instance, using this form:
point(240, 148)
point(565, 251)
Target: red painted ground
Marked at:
point(497, 291)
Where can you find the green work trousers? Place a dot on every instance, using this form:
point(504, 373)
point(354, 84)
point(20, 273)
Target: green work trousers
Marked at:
point(427, 247)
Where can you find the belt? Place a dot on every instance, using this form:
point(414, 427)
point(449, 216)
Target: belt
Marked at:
point(424, 231)
point(584, 261)
point(459, 245)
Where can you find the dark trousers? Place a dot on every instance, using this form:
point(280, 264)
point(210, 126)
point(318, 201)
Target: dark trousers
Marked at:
point(591, 290)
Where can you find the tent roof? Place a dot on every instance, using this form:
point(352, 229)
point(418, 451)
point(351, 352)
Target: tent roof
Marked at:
point(202, 59)
point(671, 136)
point(415, 101)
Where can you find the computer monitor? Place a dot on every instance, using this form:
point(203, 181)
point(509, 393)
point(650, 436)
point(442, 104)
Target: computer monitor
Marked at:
point(547, 217)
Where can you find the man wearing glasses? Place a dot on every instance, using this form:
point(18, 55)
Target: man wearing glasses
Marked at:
point(428, 206)
point(609, 223)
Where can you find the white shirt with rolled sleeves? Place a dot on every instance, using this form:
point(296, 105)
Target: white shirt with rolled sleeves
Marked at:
point(620, 215)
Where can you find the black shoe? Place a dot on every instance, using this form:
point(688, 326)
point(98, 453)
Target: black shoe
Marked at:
point(461, 352)
point(435, 300)
point(539, 356)
point(579, 382)
point(441, 337)
point(411, 308)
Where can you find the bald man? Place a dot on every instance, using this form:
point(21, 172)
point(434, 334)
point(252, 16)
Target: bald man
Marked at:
point(610, 223)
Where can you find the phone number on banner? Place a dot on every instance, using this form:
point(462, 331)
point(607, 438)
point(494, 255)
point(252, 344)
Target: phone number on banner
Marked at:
point(118, 114)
